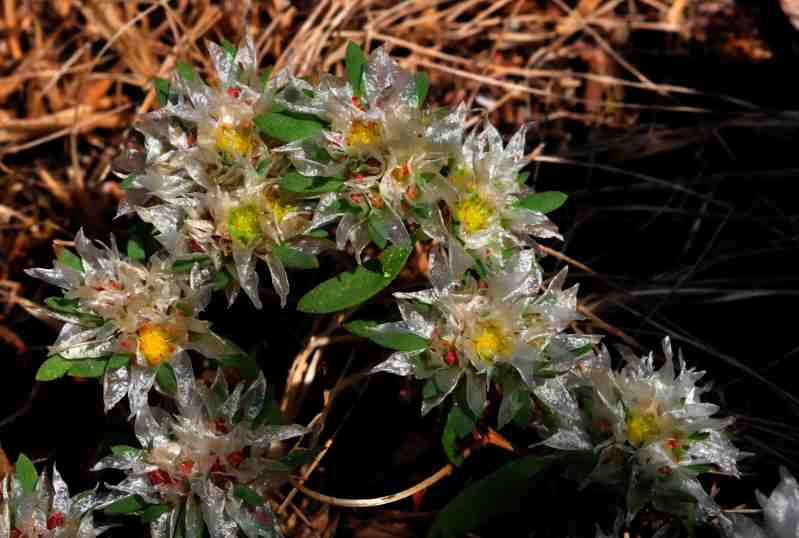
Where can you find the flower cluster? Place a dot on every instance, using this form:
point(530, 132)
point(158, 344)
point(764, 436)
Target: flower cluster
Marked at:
point(647, 430)
point(780, 514)
point(264, 166)
point(46, 510)
point(209, 463)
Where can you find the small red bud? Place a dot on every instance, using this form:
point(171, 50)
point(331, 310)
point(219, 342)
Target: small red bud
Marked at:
point(186, 467)
point(56, 519)
point(159, 477)
point(16, 533)
point(235, 458)
point(221, 426)
point(452, 357)
point(234, 92)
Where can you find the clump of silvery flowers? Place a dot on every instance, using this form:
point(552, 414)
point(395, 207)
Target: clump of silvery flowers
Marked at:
point(780, 518)
point(210, 464)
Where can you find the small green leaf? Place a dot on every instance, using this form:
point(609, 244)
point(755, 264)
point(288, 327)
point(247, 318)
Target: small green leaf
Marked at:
point(354, 287)
point(26, 474)
point(136, 249)
point(126, 505)
point(185, 266)
point(264, 76)
point(229, 47)
point(165, 375)
point(521, 177)
point(355, 62)
point(87, 368)
point(429, 390)
point(63, 305)
point(270, 413)
point(294, 258)
point(299, 457)
point(296, 182)
point(185, 70)
point(422, 85)
point(502, 492)
point(287, 127)
point(245, 364)
point(398, 340)
point(319, 234)
point(458, 426)
point(70, 259)
point(162, 89)
point(698, 436)
point(129, 182)
point(124, 450)
point(221, 280)
point(54, 367)
point(543, 202)
point(118, 361)
point(247, 495)
point(154, 511)
point(376, 226)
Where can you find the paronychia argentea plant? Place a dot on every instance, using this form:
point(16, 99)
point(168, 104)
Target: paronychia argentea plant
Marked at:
point(258, 173)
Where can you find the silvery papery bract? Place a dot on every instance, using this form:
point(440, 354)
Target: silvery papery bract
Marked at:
point(507, 327)
point(388, 147)
point(780, 514)
point(197, 462)
point(647, 428)
point(113, 305)
point(47, 511)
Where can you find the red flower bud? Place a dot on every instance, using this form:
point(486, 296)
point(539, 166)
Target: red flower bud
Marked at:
point(159, 477)
point(235, 458)
point(56, 519)
point(452, 357)
point(234, 92)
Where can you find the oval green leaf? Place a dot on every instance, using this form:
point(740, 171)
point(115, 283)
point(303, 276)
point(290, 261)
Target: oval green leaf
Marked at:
point(296, 182)
point(293, 258)
point(355, 62)
point(543, 202)
point(26, 474)
point(54, 367)
point(87, 368)
point(398, 340)
point(351, 288)
point(287, 128)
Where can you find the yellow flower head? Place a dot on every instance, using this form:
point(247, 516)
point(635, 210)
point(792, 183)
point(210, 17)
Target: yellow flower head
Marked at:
point(243, 224)
point(234, 141)
point(363, 133)
point(491, 343)
point(642, 427)
point(474, 214)
point(279, 208)
point(155, 343)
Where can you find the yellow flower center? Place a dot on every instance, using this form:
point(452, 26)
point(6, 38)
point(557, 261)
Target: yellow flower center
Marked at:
point(234, 141)
point(490, 343)
point(279, 208)
point(474, 214)
point(363, 133)
point(243, 224)
point(642, 427)
point(155, 343)
point(401, 173)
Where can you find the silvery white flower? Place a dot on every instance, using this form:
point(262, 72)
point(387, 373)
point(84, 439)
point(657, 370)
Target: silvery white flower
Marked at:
point(648, 428)
point(116, 306)
point(780, 514)
point(485, 204)
point(197, 460)
point(507, 327)
point(49, 511)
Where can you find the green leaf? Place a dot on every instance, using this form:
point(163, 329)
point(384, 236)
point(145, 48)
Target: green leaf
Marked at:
point(698, 436)
point(287, 127)
point(54, 367)
point(126, 505)
point(502, 492)
point(63, 305)
point(136, 249)
point(458, 426)
point(26, 474)
point(376, 226)
point(70, 259)
point(422, 85)
point(264, 76)
point(294, 258)
point(118, 361)
point(185, 266)
point(229, 47)
point(87, 368)
point(245, 364)
point(354, 287)
point(399, 340)
point(165, 375)
point(247, 495)
point(296, 182)
point(355, 62)
point(543, 202)
point(127, 183)
point(121, 450)
point(185, 70)
point(299, 457)
point(162, 89)
point(319, 234)
point(154, 511)
point(521, 177)
point(221, 280)
point(270, 413)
